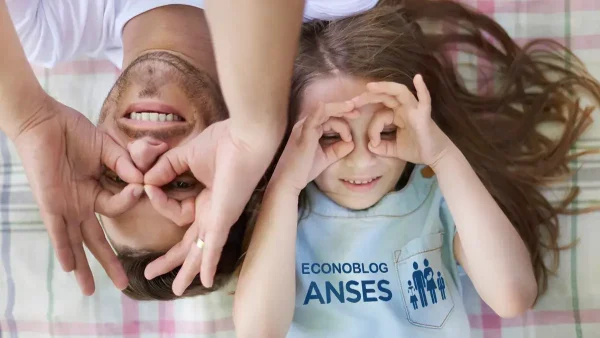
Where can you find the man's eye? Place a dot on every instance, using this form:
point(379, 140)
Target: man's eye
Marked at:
point(180, 185)
point(114, 177)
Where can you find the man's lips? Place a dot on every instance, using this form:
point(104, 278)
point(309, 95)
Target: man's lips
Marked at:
point(152, 115)
point(155, 107)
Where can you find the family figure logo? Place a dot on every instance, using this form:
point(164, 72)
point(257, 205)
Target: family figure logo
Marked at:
point(423, 281)
point(425, 284)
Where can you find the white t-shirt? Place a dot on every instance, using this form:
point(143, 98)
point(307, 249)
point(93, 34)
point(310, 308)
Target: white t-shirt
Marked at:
point(53, 31)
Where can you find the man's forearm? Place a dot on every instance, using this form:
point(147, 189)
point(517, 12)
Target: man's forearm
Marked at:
point(20, 91)
point(255, 45)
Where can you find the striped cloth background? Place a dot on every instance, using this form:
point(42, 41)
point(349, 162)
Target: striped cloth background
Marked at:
point(38, 300)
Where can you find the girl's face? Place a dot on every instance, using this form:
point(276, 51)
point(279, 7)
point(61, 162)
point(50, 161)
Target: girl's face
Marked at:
point(361, 179)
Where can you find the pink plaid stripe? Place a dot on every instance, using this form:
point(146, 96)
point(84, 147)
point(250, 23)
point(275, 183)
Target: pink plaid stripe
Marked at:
point(122, 329)
point(577, 42)
point(166, 323)
point(169, 327)
point(532, 6)
point(131, 317)
point(487, 321)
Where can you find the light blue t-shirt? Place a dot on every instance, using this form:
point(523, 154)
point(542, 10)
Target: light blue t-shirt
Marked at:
point(388, 271)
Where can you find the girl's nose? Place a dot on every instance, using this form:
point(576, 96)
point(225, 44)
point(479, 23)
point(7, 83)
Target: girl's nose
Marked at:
point(145, 151)
point(361, 157)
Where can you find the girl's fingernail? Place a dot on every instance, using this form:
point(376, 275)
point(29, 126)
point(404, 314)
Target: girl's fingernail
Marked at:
point(137, 191)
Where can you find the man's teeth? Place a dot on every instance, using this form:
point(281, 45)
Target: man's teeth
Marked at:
point(158, 117)
point(360, 182)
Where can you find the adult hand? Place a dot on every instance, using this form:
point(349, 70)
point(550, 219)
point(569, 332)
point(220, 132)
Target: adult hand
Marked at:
point(230, 167)
point(64, 156)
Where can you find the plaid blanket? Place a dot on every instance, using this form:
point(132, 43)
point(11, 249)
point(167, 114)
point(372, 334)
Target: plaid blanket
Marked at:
point(38, 300)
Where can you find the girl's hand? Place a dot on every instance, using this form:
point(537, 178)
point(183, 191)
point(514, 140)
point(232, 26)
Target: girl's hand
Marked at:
point(418, 139)
point(304, 158)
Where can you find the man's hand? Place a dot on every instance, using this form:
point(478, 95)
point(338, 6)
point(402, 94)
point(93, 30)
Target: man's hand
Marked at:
point(64, 157)
point(230, 168)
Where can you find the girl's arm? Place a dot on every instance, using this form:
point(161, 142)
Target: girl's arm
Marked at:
point(487, 245)
point(264, 299)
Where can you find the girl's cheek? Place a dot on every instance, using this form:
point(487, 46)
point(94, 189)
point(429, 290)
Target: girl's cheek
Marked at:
point(324, 179)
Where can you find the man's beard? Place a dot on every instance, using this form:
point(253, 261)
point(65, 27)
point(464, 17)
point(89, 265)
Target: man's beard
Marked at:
point(196, 84)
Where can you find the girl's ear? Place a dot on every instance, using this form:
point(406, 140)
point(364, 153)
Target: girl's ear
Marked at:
point(427, 172)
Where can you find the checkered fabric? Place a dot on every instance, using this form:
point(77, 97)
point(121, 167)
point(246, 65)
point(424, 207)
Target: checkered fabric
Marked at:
point(37, 299)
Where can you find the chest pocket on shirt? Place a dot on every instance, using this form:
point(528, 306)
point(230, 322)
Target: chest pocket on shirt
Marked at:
point(424, 281)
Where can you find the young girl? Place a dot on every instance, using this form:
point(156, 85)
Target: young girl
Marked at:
point(395, 173)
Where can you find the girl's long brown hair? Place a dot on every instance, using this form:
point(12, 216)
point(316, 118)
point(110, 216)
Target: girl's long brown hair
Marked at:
point(497, 127)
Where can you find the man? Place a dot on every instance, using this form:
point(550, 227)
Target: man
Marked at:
point(167, 95)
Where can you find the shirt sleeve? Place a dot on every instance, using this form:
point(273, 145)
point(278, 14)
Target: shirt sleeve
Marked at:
point(449, 233)
point(447, 219)
point(55, 31)
point(335, 9)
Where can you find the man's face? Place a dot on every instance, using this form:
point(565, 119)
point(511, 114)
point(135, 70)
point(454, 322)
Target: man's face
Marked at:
point(158, 99)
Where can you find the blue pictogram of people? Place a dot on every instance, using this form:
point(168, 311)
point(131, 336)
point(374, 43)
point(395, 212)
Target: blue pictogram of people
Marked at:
point(441, 285)
point(423, 281)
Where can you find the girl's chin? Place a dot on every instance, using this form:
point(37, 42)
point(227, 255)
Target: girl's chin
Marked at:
point(356, 202)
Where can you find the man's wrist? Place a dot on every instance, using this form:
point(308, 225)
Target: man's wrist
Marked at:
point(268, 124)
point(265, 137)
point(27, 105)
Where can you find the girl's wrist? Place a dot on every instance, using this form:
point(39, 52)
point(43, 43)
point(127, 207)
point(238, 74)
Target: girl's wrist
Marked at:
point(451, 153)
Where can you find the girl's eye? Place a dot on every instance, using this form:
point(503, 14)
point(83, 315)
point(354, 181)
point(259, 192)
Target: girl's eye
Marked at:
point(335, 136)
point(389, 133)
point(328, 139)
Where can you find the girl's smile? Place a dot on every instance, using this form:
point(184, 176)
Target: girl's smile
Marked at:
point(361, 185)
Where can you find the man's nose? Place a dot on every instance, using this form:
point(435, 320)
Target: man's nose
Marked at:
point(145, 151)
